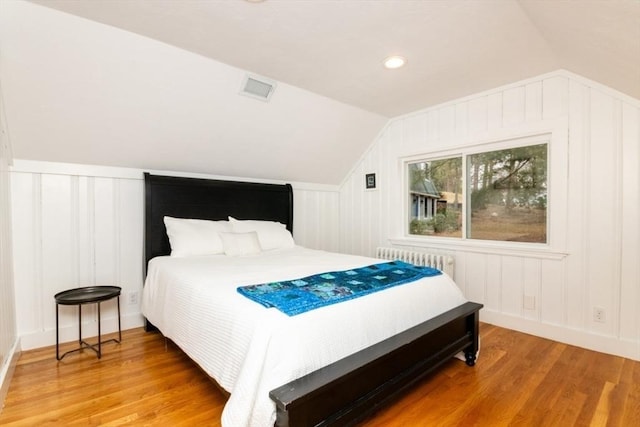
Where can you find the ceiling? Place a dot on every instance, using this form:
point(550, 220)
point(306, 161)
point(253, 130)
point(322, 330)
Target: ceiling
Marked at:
point(153, 84)
point(335, 48)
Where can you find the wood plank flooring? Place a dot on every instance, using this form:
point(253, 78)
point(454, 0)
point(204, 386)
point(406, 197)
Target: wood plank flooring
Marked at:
point(520, 380)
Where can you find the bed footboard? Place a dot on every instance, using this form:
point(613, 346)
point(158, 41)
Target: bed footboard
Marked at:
point(354, 387)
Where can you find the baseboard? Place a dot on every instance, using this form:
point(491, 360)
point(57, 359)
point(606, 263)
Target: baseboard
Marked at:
point(70, 332)
point(7, 371)
point(627, 348)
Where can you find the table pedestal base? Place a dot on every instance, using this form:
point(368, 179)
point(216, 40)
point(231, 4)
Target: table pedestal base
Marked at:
point(82, 344)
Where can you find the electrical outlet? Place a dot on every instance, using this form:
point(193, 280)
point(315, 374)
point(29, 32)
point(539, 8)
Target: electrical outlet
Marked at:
point(133, 297)
point(598, 314)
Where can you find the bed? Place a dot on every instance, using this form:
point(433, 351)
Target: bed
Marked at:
point(315, 368)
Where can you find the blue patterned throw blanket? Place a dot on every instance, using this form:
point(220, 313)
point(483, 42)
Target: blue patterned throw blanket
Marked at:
point(298, 296)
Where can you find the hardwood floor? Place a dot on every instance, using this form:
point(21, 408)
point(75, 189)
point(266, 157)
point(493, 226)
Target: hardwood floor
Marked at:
point(520, 380)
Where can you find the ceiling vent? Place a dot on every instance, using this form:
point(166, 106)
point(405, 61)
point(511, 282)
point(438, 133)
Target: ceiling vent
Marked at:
point(257, 87)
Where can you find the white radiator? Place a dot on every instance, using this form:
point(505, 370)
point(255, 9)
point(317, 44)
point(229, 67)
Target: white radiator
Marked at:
point(423, 258)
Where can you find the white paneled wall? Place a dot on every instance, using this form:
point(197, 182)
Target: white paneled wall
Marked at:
point(315, 216)
point(82, 225)
point(8, 332)
point(595, 184)
point(73, 231)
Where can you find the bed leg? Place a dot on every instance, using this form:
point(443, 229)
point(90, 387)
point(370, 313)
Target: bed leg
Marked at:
point(148, 326)
point(470, 358)
point(473, 328)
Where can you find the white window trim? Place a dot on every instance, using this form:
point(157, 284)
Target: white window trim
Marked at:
point(555, 134)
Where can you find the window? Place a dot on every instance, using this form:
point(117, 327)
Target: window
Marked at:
point(436, 197)
point(499, 194)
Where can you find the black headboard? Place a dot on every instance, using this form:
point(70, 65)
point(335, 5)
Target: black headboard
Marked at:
point(208, 199)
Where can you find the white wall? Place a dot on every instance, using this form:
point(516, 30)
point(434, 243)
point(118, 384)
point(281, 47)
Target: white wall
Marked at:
point(595, 238)
point(77, 91)
point(78, 225)
point(9, 342)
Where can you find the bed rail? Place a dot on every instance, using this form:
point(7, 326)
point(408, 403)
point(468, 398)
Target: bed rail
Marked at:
point(347, 391)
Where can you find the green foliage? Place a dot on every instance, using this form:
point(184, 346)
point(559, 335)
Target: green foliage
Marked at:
point(540, 202)
point(446, 221)
point(439, 222)
point(511, 177)
point(483, 197)
point(420, 226)
point(479, 199)
point(446, 174)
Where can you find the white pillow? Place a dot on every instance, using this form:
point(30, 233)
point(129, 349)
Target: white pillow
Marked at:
point(240, 243)
point(271, 234)
point(190, 237)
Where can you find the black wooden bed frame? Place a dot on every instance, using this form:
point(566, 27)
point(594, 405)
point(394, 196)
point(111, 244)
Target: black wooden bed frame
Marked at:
point(352, 388)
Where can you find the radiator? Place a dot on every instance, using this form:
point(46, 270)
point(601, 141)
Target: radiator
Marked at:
point(442, 262)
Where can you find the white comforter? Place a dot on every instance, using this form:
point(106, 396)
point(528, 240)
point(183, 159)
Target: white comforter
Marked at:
point(249, 349)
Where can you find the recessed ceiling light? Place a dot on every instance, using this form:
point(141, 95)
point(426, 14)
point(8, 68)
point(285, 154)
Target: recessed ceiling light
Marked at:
point(395, 61)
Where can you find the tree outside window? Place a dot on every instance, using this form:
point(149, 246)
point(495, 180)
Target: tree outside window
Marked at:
point(505, 197)
point(436, 198)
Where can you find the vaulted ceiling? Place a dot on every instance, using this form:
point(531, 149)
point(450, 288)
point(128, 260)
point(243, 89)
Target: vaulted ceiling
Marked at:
point(163, 92)
point(336, 48)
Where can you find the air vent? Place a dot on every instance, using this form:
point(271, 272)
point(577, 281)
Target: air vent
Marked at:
point(257, 87)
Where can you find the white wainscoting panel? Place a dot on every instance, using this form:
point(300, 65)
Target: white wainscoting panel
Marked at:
point(9, 342)
point(315, 218)
point(594, 188)
point(629, 193)
point(73, 228)
point(70, 232)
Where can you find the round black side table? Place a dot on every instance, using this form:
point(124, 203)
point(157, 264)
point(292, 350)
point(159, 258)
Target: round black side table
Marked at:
point(79, 297)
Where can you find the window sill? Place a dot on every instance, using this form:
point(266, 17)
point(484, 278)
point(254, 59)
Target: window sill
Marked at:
point(485, 247)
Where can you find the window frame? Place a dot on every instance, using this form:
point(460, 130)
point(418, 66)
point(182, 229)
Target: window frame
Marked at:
point(556, 138)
